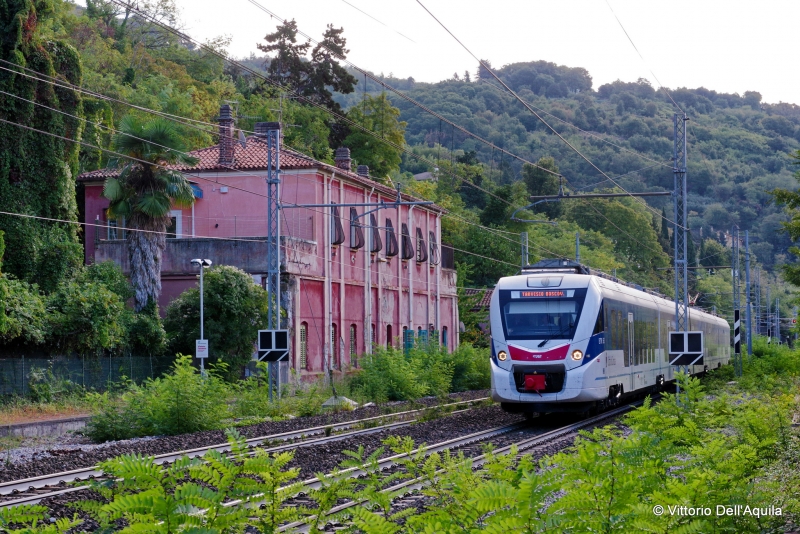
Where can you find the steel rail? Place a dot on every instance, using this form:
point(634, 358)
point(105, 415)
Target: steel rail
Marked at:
point(90, 473)
point(477, 461)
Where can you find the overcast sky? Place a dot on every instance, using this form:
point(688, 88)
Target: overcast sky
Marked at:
point(728, 46)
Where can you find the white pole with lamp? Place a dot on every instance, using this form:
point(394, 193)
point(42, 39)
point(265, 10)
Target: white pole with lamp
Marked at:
point(201, 345)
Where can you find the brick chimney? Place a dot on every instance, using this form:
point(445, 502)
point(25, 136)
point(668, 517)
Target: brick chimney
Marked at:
point(226, 142)
point(363, 170)
point(342, 158)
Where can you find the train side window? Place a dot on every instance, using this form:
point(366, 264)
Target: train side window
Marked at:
point(599, 325)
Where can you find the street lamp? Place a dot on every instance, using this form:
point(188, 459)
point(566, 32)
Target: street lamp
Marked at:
point(203, 264)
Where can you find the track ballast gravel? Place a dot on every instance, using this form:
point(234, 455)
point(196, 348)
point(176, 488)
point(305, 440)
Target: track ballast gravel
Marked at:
point(55, 460)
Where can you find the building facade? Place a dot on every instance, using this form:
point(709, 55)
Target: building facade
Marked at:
point(349, 281)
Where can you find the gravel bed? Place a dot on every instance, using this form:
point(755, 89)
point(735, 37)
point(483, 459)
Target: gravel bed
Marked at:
point(66, 454)
point(326, 457)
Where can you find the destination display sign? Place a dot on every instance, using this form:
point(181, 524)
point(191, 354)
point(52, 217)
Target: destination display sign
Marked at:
point(543, 293)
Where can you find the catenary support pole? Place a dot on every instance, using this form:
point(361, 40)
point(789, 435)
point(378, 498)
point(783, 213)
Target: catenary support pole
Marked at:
point(681, 222)
point(273, 137)
point(737, 346)
point(747, 300)
point(577, 247)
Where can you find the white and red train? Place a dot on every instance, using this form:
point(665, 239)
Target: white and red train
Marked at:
point(564, 339)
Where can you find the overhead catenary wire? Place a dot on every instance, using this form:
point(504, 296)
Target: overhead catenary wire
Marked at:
point(174, 117)
point(592, 134)
point(641, 56)
point(297, 95)
point(511, 91)
point(162, 166)
point(528, 106)
point(490, 230)
point(403, 95)
point(324, 109)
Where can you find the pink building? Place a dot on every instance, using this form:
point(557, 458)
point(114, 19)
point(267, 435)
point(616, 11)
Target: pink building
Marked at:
point(344, 286)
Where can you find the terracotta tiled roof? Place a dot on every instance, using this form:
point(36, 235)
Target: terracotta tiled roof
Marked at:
point(251, 158)
point(485, 299)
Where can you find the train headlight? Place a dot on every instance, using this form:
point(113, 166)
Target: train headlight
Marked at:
point(502, 355)
point(577, 355)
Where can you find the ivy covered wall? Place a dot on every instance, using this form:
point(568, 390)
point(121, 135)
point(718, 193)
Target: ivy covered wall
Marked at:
point(37, 172)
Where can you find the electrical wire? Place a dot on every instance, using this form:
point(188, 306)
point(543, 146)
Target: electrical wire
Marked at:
point(379, 22)
point(124, 228)
point(512, 92)
point(403, 95)
point(297, 95)
point(641, 56)
point(563, 139)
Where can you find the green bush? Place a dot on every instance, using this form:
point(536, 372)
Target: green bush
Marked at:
point(470, 368)
point(388, 375)
point(234, 307)
point(180, 402)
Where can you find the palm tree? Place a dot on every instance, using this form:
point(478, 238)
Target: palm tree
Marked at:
point(143, 194)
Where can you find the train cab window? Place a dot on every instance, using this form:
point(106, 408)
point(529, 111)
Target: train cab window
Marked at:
point(599, 325)
point(551, 315)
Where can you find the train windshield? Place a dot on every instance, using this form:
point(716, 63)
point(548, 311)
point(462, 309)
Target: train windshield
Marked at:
point(544, 318)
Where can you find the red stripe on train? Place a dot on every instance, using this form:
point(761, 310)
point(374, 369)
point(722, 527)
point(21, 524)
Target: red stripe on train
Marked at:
point(526, 355)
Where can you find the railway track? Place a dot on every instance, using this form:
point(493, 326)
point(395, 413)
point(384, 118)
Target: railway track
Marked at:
point(35, 489)
point(471, 445)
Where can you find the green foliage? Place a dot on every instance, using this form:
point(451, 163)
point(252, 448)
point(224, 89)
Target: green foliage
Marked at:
point(314, 76)
point(22, 313)
point(470, 368)
point(540, 182)
point(85, 318)
point(37, 172)
point(179, 402)
point(235, 308)
point(35, 520)
point(388, 375)
point(377, 115)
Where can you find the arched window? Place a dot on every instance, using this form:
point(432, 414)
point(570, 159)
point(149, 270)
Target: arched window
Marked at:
point(391, 240)
point(303, 357)
point(434, 248)
point(337, 232)
point(444, 336)
point(422, 248)
point(335, 360)
point(353, 346)
point(375, 244)
point(408, 248)
point(356, 232)
point(389, 336)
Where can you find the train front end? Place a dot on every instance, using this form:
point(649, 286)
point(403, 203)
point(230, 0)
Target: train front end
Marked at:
point(547, 343)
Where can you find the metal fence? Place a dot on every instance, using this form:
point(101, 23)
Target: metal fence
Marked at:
point(91, 373)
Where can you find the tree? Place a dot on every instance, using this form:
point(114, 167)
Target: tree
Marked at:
point(628, 225)
point(377, 115)
point(235, 309)
point(663, 237)
point(143, 194)
point(312, 77)
point(540, 183)
point(791, 202)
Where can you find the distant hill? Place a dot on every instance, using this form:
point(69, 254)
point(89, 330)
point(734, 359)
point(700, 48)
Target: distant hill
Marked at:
point(738, 145)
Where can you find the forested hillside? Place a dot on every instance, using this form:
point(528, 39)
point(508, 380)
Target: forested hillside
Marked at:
point(738, 145)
